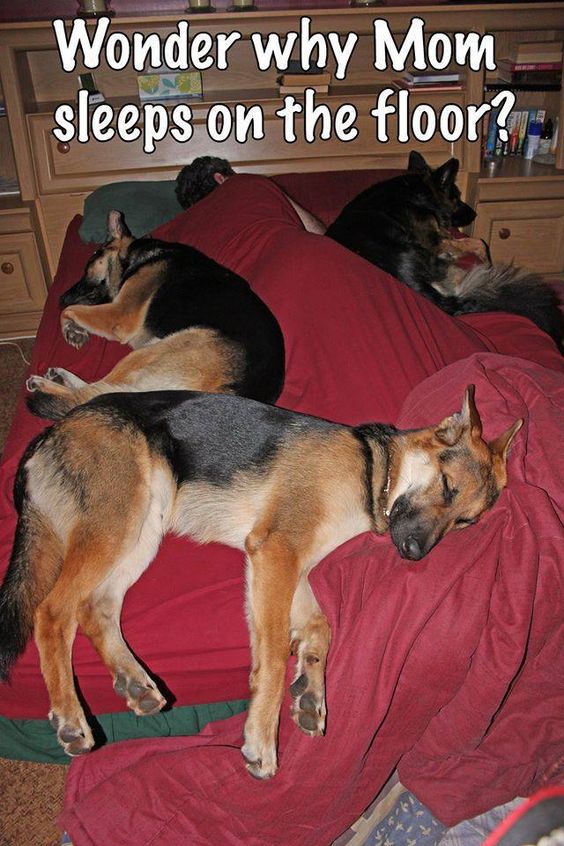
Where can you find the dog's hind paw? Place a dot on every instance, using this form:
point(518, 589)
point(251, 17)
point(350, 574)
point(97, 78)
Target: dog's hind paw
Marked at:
point(35, 383)
point(76, 739)
point(55, 374)
point(142, 697)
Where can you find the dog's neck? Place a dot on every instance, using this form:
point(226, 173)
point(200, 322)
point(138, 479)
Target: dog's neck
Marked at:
point(377, 440)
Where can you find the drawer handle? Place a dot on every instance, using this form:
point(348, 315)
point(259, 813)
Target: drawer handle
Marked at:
point(504, 233)
point(7, 267)
point(63, 147)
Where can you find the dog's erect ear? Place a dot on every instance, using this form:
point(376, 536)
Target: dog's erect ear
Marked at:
point(470, 414)
point(467, 420)
point(500, 445)
point(450, 430)
point(446, 174)
point(417, 163)
point(116, 226)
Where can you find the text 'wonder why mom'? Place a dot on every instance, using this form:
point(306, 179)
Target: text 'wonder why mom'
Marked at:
point(182, 51)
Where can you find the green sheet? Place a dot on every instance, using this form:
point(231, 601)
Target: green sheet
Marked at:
point(35, 740)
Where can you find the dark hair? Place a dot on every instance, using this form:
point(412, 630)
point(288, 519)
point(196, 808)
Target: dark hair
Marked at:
point(196, 180)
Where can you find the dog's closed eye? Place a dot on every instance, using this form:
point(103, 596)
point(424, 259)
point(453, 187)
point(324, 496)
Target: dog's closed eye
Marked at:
point(464, 521)
point(448, 492)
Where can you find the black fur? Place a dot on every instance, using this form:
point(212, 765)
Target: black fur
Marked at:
point(196, 291)
point(16, 627)
point(206, 437)
point(399, 224)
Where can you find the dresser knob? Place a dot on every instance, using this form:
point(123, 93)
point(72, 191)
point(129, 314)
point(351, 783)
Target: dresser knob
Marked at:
point(63, 147)
point(504, 233)
point(7, 267)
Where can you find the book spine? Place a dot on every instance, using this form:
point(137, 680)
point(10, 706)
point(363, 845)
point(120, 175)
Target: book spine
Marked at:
point(523, 124)
point(541, 115)
point(519, 67)
point(492, 133)
point(513, 129)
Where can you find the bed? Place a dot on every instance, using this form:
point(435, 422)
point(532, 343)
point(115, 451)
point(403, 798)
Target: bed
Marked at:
point(434, 668)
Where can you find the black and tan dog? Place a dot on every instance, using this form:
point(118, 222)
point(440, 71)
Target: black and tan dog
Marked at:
point(284, 487)
point(193, 324)
point(403, 225)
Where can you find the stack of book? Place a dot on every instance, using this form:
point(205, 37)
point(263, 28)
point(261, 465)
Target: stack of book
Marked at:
point(429, 81)
point(295, 81)
point(518, 125)
point(534, 65)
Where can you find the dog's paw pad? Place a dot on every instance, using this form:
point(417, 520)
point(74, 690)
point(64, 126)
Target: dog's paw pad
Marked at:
point(53, 374)
point(308, 711)
point(74, 740)
point(299, 686)
point(143, 699)
point(74, 334)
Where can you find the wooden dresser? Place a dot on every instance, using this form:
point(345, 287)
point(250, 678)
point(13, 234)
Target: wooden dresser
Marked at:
point(520, 206)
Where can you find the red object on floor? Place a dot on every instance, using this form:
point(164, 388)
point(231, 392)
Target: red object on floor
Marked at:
point(412, 644)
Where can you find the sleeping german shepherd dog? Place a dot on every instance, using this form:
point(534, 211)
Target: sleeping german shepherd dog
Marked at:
point(284, 487)
point(193, 325)
point(402, 226)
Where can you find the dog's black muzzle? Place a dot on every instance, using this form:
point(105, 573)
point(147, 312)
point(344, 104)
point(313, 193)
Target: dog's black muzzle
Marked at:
point(411, 538)
point(463, 215)
point(85, 292)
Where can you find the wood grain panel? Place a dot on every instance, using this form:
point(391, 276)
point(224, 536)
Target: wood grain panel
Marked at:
point(530, 233)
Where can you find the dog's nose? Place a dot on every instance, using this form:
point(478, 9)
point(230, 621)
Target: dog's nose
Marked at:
point(410, 549)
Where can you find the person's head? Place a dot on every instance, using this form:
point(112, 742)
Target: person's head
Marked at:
point(199, 178)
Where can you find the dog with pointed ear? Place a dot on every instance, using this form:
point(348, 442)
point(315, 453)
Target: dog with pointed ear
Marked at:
point(443, 180)
point(445, 477)
point(101, 279)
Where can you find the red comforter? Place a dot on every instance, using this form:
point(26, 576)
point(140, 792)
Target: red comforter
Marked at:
point(449, 666)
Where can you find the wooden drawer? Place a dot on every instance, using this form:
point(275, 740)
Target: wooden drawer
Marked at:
point(82, 167)
point(22, 282)
point(529, 233)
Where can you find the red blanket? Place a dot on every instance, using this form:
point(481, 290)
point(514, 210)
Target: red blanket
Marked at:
point(357, 344)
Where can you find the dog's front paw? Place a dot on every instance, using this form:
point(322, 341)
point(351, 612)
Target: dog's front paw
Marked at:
point(74, 334)
point(259, 755)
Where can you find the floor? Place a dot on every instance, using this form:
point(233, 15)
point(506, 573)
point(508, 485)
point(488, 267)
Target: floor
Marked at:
point(31, 794)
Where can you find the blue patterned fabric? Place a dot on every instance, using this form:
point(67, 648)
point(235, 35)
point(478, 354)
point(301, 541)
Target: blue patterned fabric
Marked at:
point(409, 823)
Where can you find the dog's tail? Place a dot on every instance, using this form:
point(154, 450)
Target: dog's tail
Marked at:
point(34, 566)
point(503, 287)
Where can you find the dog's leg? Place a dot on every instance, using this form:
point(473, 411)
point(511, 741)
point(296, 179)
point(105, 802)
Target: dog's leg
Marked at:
point(311, 637)
point(109, 320)
point(272, 579)
point(55, 629)
point(60, 376)
point(99, 615)
point(195, 359)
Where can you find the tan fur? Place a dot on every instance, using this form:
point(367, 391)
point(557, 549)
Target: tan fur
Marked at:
point(121, 320)
point(194, 359)
point(310, 497)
